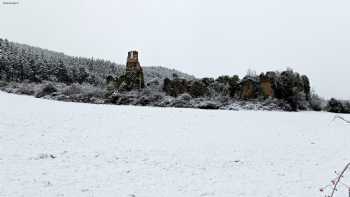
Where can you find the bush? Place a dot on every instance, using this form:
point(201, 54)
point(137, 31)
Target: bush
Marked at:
point(298, 101)
point(346, 107)
point(316, 102)
point(25, 88)
point(72, 90)
point(197, 89)
point(293, 88)
point(207, 81)
point(219, 89)
point(233, 83)
point(46, 90)
point(335, 106)
point(174, 87)
point(223, 79)
point(93, 91)
point(3, 83)
point(84, 90)
point(229, 85)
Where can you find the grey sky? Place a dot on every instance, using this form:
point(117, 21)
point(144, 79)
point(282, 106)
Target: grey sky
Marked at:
point(204, 38)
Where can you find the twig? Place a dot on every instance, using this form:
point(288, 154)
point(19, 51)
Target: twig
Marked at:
point(341, 118)
point(338, 179)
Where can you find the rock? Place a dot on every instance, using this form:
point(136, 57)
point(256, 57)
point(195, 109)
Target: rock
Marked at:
point(185, 97)
point(208, 105)
point(181, 104)
point(149, 100)
point(122, 99)
point(166, 101)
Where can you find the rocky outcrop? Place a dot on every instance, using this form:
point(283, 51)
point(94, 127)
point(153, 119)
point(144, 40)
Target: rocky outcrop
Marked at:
point(249, 87)
point(287, 85)
point(267, 84)
point(196, 88)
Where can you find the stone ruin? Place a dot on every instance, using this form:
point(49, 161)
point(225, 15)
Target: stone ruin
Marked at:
point(288, 86)
point(133, 77)
point(134, 72)
point(255, 86)
point(249, 87)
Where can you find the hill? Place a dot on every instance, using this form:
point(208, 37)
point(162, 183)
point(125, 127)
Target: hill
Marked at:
point(20, 62)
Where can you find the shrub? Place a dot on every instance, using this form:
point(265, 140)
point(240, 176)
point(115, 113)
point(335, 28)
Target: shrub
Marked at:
point(229, 85)
point(207, 81)
point(347, 107)
point(293, 88)
point(197, 89)
point(306, 85)
point(25, 88)
point(109, 79)
point(223, 79)
point(84, 90)
point(335, 106)
point(316, 102)
point(46, 90)
point(219, 89)
point(233, 83)
point(72, 90)
point(298, 101)
point(174, 87)
point(3, 83)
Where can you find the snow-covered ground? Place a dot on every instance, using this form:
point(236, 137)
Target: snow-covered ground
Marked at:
point(50, 148)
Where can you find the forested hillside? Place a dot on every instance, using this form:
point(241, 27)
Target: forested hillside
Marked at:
point(19, 62)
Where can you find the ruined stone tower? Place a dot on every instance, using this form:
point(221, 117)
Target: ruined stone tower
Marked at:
point(134, 72)
point(133, 60)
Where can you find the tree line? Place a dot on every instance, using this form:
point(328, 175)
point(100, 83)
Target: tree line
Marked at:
point(20, 62)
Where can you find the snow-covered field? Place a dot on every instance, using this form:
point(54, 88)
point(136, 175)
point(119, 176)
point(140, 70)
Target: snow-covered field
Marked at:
point(50, 148)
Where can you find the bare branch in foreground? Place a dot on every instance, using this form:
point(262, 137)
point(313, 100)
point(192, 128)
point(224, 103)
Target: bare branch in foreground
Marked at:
point(341, 118)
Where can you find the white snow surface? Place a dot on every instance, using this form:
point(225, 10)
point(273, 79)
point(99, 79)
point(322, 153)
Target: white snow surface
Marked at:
point(50, 148)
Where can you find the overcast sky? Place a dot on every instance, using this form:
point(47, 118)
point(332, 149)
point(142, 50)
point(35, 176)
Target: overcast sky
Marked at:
point(200, 37)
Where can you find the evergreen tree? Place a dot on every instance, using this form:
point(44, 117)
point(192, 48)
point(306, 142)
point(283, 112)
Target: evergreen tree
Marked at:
point(62, 73)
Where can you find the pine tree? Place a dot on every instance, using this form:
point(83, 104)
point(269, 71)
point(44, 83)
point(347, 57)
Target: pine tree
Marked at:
point(62, 73)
